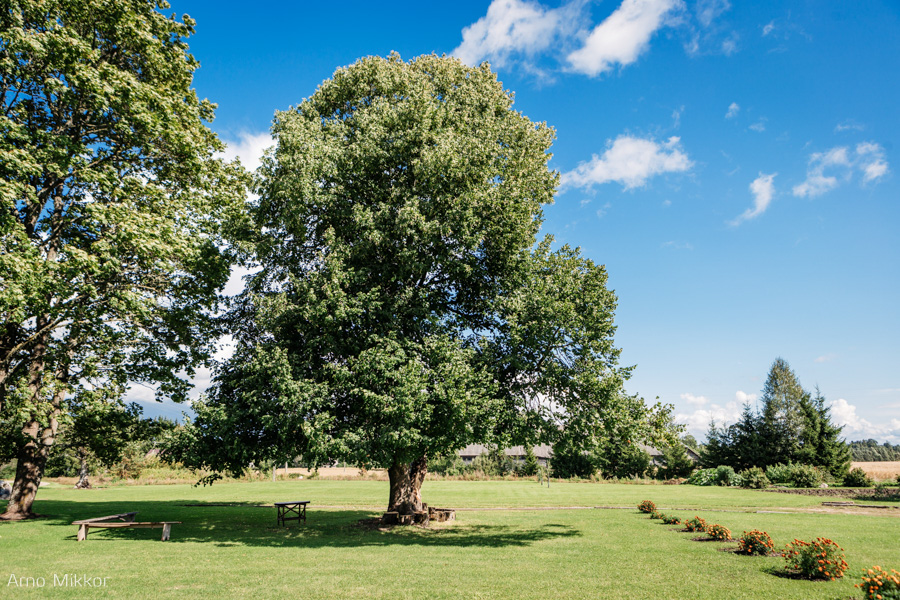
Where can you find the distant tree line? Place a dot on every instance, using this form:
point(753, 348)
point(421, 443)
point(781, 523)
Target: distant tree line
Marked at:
point(872, 451)
point(791, 426)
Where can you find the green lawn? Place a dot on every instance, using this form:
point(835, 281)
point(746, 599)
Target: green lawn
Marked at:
point(236, 551)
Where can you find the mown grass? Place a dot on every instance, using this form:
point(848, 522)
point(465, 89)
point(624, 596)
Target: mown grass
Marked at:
point(236, 551)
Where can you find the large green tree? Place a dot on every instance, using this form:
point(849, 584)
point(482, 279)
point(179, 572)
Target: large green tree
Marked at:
point(112, 207)
point(781, 418)
point(402, 309)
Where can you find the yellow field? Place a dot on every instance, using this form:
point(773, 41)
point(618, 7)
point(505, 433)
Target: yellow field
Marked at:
point(880, 471)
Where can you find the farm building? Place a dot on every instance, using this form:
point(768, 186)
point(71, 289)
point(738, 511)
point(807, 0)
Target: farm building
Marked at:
point(542, 452)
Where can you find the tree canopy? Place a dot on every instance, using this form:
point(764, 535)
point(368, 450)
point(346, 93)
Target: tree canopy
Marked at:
point(402, 308)
point(113, 207)
point(791, 426)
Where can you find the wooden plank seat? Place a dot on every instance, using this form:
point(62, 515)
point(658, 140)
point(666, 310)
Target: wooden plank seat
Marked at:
point(287, 509)
point(126, 521)
point(121, 517)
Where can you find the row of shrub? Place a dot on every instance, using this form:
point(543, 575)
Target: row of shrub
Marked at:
point(821, 558)
point(798, 475)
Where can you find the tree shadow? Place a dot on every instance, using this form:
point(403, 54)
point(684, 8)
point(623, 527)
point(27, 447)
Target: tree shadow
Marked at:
point(251, 524)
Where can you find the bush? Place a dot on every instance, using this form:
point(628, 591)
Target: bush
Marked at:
point(858, 478)
point(655, 514)
point(805, 476)
point(671, 520)
point(703, 477)
point(647, 506)
point(718, 532)
point(755, 542)
point(568, 463)
point(754, 478)
point(695, 524)
point(780, 473)
point(624, 462)
point(725, 475)
point(819, 559)
point(878, 584)
point(450, 464)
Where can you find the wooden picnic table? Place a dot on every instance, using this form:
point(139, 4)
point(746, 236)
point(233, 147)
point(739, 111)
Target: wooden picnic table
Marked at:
point(296, 508)
point(124, 520)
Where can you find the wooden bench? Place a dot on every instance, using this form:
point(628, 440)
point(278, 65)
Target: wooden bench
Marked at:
point(285, 509)
point(124, 520)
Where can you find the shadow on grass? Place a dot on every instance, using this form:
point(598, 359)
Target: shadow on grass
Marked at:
point(785, 574)
point(250, 524)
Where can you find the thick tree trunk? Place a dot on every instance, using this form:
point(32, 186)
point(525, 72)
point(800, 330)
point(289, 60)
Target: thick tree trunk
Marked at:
point(83, 473)
point(406, 485)
point(32, 456)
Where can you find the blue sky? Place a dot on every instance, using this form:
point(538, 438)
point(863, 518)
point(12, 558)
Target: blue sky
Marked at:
point(732, 164)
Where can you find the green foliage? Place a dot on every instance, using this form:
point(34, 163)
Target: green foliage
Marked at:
point(623, 461)
point(570, 462)
point(718, 532)
point(704, 477)
point(805, 476)
point(792, 426)
point(403, 308)
point(671, 520)
point(858, 478)
point(780, 473)
point(878, 584)
point(677, 462)
point(819, 559)
point(450, 464)
point(725, 475)
point(695, 524)
point(755, 542)
point(114, 214)
point(754, 478)
point(531, 466)
point(493, 464)
point(647, 506)
point(871, 451)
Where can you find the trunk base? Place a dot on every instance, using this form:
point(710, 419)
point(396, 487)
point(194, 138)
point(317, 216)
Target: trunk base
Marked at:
point(405, 487)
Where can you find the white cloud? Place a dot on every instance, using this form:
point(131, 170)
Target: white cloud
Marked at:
point(729, 46)
point(872, 161)
point(855, 427)
point(709, 10)
point(697, 422)
point(630, 161)
point(744, 398)
point(676, 116)
point(601, 212)
point(759, 126)
point(694, 400)
point(249, 148)
point(516, 26)
point(622, 37)
point(733, 109)
point(825, 358)
point(763, 189)
point(868, 158)
point(768, 28)
point(678, 246)
point(849, 125)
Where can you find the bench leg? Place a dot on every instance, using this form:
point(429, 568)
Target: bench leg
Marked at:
point(82, 532)
point(167, 529)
